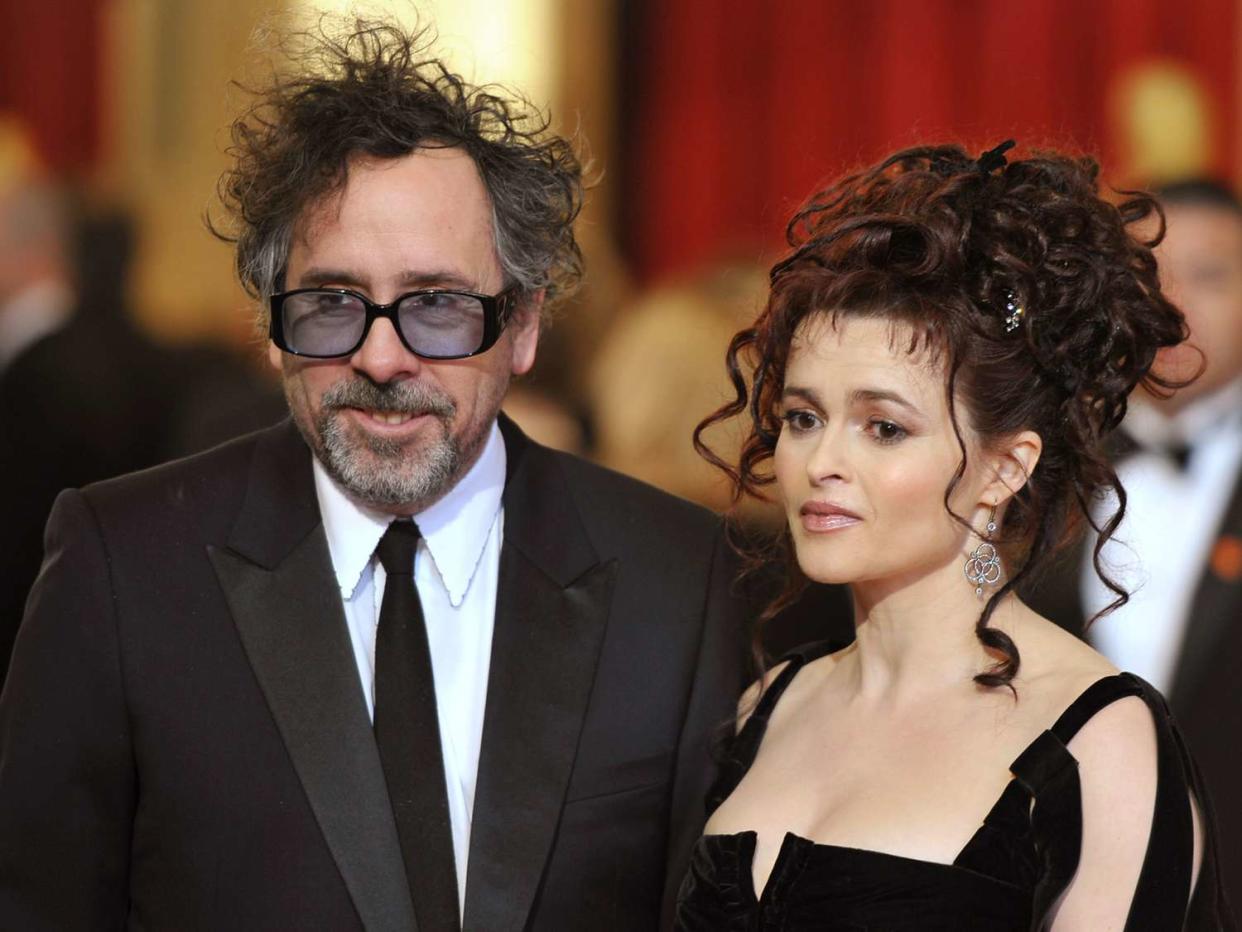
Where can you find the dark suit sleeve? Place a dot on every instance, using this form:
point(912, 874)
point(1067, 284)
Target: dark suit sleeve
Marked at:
point(67, 786)
point(719, 679)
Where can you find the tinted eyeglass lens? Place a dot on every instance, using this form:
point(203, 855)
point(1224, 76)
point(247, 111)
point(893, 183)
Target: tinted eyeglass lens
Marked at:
point(322, 323)
point(442, 323)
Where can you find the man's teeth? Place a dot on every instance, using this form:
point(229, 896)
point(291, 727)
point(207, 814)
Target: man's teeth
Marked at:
point(390, 417)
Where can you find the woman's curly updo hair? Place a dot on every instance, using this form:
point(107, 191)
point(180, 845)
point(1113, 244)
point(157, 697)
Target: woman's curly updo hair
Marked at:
point(371, 88)
point(938, 241)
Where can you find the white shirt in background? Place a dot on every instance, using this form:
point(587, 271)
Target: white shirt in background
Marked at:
point(455, 570)
point(1165, 540)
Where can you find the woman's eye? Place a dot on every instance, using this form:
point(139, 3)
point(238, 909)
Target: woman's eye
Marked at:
point(800, 421)
point(886, 431)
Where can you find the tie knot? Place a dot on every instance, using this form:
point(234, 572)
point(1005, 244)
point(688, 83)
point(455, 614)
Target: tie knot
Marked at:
point(396, 548)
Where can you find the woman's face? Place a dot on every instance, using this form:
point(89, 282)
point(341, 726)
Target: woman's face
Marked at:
point(865, 453)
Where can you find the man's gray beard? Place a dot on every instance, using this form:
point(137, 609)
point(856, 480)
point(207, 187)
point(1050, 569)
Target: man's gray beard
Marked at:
point(378, 471)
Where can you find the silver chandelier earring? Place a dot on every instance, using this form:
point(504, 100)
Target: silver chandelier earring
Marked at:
point(983, 566)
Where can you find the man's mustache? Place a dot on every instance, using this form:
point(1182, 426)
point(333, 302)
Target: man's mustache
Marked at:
point(408, 397)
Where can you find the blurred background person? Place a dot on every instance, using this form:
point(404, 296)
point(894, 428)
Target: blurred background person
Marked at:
point(1179, 549)
point(658, 369)
point(85, 394)
point(35, 295)
point(71, 403)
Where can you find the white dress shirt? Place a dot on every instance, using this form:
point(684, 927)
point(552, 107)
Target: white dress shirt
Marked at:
point(30, 315)
point(1165, 540)
point(455, 570)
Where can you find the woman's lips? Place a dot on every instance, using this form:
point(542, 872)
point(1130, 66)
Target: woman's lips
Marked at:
point(820, 517)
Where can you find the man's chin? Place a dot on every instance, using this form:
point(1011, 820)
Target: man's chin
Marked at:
point(386, 473)
point(381, 483)
point(400, 468)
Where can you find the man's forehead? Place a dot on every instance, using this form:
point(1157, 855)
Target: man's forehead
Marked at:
point(415, 221)
point(1194, 218)
point(324, 210)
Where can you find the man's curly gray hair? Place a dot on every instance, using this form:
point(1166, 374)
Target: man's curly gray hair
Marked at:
point(371, 89)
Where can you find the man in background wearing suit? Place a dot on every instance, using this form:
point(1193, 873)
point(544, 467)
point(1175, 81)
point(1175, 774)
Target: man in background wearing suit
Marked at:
point(71, 410)
point(250, 693)
point(1178, 551)
point(84, 395)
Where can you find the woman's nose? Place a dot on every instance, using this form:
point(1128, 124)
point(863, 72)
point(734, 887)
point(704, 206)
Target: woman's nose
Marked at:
point(829, 458)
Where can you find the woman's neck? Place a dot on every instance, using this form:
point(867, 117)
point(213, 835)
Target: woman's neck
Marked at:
point(918, 635)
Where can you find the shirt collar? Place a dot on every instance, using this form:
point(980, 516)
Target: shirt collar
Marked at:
point(455, 529)
point(1147, 423)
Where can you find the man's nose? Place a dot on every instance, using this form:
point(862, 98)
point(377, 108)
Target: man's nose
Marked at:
point(382, 356)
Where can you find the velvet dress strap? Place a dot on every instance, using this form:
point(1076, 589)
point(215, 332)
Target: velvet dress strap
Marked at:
point(743, 747)
point(1162, 898)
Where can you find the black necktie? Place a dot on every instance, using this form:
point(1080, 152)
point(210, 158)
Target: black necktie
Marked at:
point(407, 731)
point(1178, 454)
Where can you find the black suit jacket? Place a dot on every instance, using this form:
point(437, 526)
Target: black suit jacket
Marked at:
point(1206, 696)
point(184, 742)
point(93, 400)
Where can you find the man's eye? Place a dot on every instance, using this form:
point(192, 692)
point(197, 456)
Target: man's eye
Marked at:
point(440, 301)
point(335, 302)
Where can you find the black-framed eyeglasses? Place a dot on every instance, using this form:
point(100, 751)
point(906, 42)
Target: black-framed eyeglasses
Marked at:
point(433, 323)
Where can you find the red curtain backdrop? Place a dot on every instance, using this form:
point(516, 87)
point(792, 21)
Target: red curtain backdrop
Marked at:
point(741, 107)
point(51, 77)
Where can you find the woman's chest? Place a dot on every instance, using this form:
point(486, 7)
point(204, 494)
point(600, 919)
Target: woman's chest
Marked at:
point(914, 792)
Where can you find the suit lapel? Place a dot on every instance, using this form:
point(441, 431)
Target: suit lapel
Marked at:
point(276, 574)
point(553, 599)
point(1216, 608)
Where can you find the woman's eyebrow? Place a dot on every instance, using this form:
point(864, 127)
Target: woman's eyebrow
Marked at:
point(878, 394)
point(808, 395)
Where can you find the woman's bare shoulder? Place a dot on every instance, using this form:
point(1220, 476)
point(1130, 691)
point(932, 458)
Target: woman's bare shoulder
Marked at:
point(1055, 662)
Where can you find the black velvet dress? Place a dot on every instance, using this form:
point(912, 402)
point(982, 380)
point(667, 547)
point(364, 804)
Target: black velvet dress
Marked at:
point(1009, 875)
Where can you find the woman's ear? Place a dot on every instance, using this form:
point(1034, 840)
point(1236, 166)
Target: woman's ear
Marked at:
point(1013, 462)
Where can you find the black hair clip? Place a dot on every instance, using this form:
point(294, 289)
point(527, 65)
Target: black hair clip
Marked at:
point(994, 158)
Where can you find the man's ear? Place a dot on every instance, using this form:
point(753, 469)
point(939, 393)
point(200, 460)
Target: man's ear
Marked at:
point(1013, 462)
point(275, 356)
point(524, 328)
